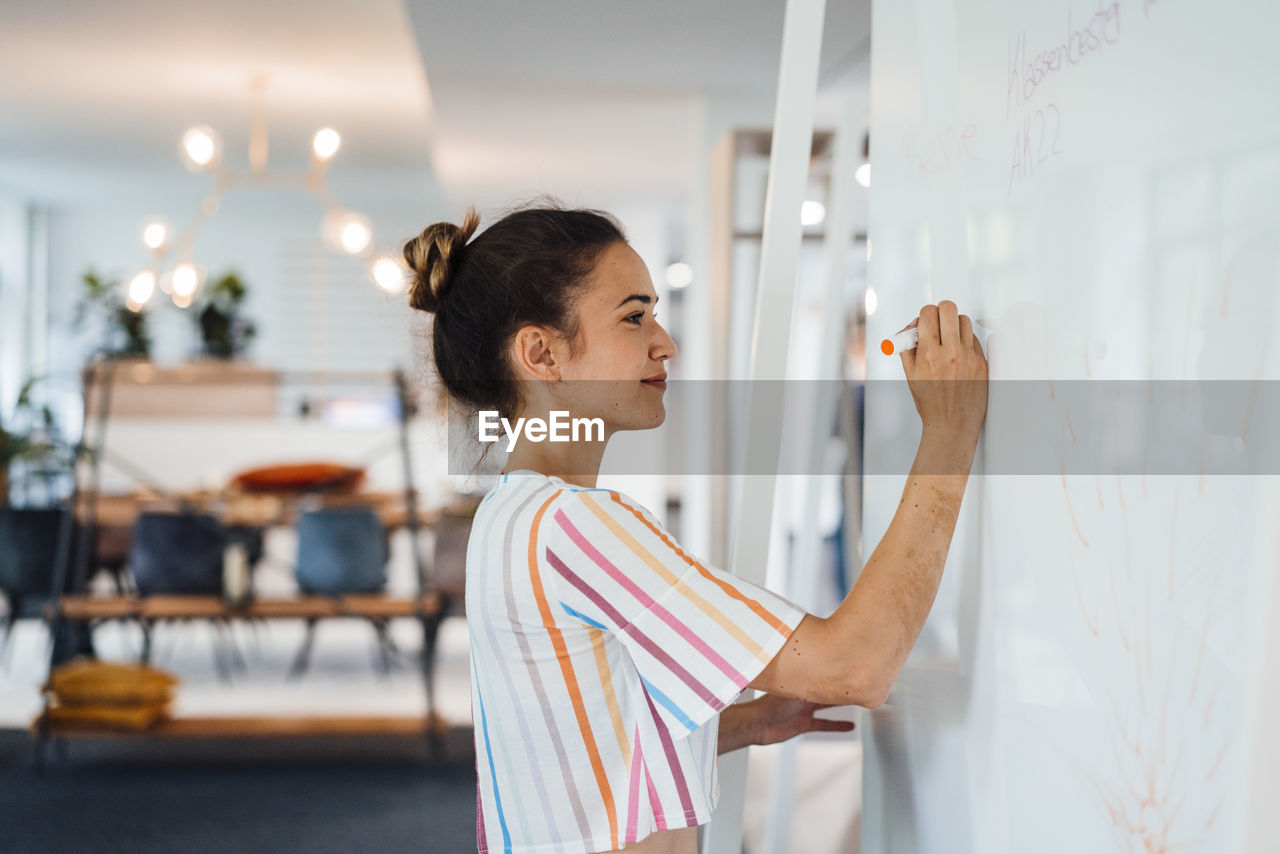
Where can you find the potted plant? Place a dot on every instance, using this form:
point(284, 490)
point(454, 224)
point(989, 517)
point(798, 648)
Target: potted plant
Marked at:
point(225, 332)
point(32, 451)
point(126, 334)
point(31, 443)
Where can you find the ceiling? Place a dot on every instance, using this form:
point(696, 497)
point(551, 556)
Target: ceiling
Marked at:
point(600, 100)
point(96, 95)
point(485, 101)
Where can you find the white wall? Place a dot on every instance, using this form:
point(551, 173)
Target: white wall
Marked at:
point(263, 234)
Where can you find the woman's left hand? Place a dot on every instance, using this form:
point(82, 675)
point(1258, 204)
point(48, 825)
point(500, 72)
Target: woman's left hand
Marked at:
point(777, 719)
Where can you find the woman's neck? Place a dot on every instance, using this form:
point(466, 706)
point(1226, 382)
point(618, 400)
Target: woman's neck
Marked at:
point(577, 463)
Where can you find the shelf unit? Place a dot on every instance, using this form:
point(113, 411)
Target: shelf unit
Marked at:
point(429, 606)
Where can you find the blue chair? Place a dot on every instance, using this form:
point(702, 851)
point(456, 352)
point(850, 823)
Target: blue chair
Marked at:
point(341, 550)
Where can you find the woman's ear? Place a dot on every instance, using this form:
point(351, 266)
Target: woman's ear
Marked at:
point(533, 355)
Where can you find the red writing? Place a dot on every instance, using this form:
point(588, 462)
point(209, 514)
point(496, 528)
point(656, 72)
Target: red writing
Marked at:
point(1027, 72)
point(1035, 142)
point(939, 152)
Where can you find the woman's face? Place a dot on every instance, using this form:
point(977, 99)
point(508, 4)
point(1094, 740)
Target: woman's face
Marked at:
point(620, 345)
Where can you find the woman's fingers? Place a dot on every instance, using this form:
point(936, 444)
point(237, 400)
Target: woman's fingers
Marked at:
point(828, 725)
point(929, 334)
point(947, 350)
point(948, 323)
point(943, 325)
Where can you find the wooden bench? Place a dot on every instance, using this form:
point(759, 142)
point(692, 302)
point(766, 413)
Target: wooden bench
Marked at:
point(169, 607)
point(261, 726)
point(430, 606)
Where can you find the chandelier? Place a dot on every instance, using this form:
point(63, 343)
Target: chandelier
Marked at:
point(173, 269)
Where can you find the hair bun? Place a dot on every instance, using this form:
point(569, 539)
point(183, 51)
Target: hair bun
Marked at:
point(433, 256)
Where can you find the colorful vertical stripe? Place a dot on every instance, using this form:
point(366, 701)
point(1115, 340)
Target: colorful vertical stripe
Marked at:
point(601, 651)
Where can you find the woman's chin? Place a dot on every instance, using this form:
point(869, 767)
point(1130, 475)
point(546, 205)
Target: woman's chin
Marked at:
point(645, 420)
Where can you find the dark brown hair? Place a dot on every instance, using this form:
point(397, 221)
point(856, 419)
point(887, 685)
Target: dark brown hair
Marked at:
point(526, 268)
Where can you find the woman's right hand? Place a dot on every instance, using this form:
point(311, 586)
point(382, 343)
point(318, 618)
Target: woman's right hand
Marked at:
point(947, 374)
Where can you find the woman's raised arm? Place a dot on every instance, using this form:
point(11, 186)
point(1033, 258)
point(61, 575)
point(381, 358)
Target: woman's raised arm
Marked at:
point(855, 655)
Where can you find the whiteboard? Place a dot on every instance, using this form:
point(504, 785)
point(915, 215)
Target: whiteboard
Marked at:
point(1099, 183)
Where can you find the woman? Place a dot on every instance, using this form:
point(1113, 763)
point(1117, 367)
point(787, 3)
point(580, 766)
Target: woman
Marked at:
point(604, 658)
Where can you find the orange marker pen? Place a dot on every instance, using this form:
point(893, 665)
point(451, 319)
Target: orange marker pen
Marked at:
point(907, 339)
point(904, 340)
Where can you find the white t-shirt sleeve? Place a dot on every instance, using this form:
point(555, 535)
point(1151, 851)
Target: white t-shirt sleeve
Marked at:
point(696, 633)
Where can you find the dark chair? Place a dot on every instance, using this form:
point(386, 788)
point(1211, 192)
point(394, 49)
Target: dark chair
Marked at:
point(342, 550)
point(178, 553)
point(28, 552)
point(448, 573)
point(181, 554)
point(446, 577)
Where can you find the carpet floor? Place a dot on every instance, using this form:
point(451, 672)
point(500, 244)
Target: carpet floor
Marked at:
point(238, 795)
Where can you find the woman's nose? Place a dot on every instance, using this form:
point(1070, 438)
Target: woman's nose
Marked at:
point(666, 344)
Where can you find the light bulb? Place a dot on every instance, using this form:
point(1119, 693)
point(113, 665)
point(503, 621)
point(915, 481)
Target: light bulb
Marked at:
point(863, 174)
point(355, 237)
point(154, 234)
point(201, 147)
point(348, 231)
point(870, 301)
point(141, 287)
point(186, 279)
point(679, 275)
point(389, 275)
point(325, 143)
point(812, 213)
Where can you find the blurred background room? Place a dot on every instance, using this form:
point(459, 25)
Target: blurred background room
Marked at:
point(223, 453)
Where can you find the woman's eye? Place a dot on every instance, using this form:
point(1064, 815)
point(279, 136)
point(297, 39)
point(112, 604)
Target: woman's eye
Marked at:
point(634, 318)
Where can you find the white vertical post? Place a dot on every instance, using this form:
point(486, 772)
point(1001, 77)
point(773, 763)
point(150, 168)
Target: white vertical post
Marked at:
point(1260, 788)
point(704, 348)
point(15, 299)
point(822, 400)
point(38, 312)
point(780, 249)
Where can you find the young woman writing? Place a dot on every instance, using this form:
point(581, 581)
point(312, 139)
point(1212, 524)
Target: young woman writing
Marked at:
point(605, 659)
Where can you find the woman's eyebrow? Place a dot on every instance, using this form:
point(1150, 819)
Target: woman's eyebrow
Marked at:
point(642, 297)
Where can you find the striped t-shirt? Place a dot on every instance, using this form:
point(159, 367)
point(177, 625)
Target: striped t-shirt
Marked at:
point(601, 655)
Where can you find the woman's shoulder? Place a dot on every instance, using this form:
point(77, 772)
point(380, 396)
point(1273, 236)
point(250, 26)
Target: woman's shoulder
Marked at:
point(605, 512)
point(556, 504)
point(530, 491)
